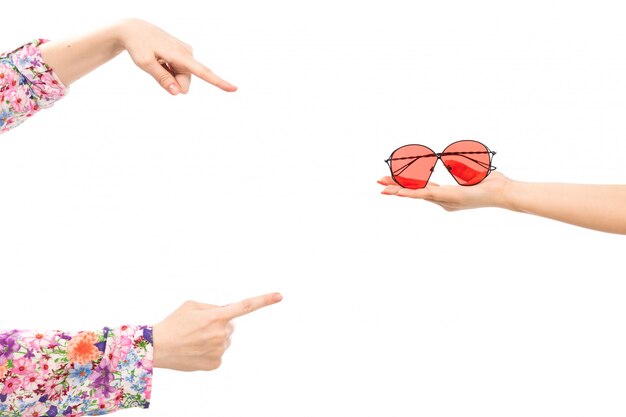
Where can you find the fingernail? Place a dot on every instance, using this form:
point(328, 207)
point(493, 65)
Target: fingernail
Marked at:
point(385, 192)
point(380, 182)
point(277, 297)
point(173, 89)
point(226, 86)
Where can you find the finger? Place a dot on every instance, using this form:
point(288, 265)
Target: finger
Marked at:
point(249, 305)
point(433, 192)
point(182, 76)
point(162, 76)
point(391, 190)
point(394, 188)
point(230, 328)
point(209, 76)
point(387, 181)
point(422, 193)
point(184, 80)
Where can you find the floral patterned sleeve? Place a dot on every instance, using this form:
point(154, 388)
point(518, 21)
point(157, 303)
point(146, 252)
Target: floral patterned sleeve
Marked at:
point(85, 373)
point(27, 85)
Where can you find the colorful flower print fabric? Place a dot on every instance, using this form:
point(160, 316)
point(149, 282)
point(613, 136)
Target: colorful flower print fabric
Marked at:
point(27, 85)
point(87, 373)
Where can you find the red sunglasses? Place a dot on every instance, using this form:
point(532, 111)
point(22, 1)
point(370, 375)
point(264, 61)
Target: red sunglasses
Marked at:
point(468, 161)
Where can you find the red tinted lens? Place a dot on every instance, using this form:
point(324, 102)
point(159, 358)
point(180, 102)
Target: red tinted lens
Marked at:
point(468, 161)
point(412, 165)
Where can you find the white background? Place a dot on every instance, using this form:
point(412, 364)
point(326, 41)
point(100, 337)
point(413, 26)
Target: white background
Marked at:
point(122, 202)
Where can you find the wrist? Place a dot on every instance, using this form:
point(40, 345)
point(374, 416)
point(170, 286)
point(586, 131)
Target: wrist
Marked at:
point(509, 195)
point(157, 347)
point(163, 347)
point(121, 32)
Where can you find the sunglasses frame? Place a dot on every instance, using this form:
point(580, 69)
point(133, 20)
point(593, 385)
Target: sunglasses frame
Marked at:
point(490, 168)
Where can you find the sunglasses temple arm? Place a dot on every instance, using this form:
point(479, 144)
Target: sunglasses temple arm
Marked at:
point(413, 159)
point(482, 164)
point(404, 167)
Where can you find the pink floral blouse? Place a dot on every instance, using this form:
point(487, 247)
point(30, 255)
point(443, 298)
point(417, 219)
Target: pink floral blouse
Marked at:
point(57, 373)
point(27, 85)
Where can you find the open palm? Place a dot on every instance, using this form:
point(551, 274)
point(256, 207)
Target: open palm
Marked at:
point(488, 193)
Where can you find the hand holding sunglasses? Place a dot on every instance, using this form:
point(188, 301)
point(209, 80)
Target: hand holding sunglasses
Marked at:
point(468, 161)
point(594, 206)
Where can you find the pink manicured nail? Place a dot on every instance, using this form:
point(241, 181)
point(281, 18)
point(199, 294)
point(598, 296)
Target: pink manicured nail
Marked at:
point(173, 89)
point(278, 297)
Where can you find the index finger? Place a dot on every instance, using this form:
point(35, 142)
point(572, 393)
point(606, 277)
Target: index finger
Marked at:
point(249, 305)
point(209, 76)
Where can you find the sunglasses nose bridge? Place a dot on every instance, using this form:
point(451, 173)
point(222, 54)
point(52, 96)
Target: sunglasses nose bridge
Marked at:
point(438, 159)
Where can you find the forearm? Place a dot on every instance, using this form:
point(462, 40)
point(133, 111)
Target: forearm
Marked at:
point(75, 57)
point(598, 207)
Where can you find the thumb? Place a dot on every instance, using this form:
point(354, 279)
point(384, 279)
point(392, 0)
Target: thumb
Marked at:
point(163, 77)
